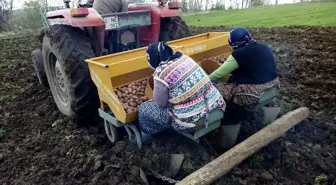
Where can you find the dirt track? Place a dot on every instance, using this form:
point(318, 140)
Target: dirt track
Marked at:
point(42, 147)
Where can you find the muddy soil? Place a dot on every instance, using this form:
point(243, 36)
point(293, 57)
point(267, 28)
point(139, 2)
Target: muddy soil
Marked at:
point(38, 145)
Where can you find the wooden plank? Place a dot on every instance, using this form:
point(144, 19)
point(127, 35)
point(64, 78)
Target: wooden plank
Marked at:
point(224, 163)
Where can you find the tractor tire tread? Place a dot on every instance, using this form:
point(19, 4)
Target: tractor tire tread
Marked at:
point(174, 28)
point(71, 48)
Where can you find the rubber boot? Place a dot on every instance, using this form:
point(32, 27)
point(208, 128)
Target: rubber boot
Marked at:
point(145, 138)
point(229, 135)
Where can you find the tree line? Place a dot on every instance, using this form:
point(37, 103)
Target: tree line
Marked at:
point(30, 16)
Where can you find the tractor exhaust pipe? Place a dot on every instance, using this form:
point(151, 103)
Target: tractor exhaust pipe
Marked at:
point(67, 3)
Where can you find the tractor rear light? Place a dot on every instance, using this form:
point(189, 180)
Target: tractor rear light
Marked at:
point(79, 12)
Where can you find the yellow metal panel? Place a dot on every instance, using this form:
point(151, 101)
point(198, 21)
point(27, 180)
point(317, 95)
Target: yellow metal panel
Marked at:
point(100, 77)
point(119, 57)
point(149, 87)
point(131, 77)
point(129, 66)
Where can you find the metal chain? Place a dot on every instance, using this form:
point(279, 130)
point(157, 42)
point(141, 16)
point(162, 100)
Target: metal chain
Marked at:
point(163, 178)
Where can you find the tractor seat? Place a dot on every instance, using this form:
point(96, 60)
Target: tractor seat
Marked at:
point(214, 122)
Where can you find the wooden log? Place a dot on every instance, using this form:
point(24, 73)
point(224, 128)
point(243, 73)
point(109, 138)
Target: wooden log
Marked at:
point(225, 162)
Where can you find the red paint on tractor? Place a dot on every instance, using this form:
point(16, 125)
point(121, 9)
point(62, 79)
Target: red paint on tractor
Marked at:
point(150, 34)
point(175, 5)
point(64, 17)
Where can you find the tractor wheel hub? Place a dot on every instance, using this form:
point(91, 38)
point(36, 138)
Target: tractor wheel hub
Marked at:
point(61, 84)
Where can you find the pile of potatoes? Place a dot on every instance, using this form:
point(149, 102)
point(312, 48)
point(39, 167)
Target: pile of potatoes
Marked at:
point(220, 59)
point(132, 95)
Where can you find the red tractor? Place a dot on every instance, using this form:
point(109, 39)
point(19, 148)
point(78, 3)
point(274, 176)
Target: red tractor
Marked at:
point(75, 34)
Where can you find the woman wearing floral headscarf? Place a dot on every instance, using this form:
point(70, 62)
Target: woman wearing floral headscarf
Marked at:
point(183, 93)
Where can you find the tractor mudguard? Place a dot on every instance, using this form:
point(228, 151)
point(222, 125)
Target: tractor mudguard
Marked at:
point(63, 16)
point(93, 23)
point(150, 34)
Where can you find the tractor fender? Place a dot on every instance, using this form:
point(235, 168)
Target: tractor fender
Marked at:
point(93, 23)
point(63, 16)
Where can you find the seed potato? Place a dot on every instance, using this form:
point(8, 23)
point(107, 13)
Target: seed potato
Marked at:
point(132, 95)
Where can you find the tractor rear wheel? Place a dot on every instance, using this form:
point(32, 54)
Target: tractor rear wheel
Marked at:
point(64, 50)
point(173, 28)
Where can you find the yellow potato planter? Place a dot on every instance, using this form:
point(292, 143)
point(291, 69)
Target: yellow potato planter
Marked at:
point(115, 70)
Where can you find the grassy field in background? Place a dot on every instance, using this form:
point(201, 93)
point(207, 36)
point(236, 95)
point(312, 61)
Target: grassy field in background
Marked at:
point(312, 14)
